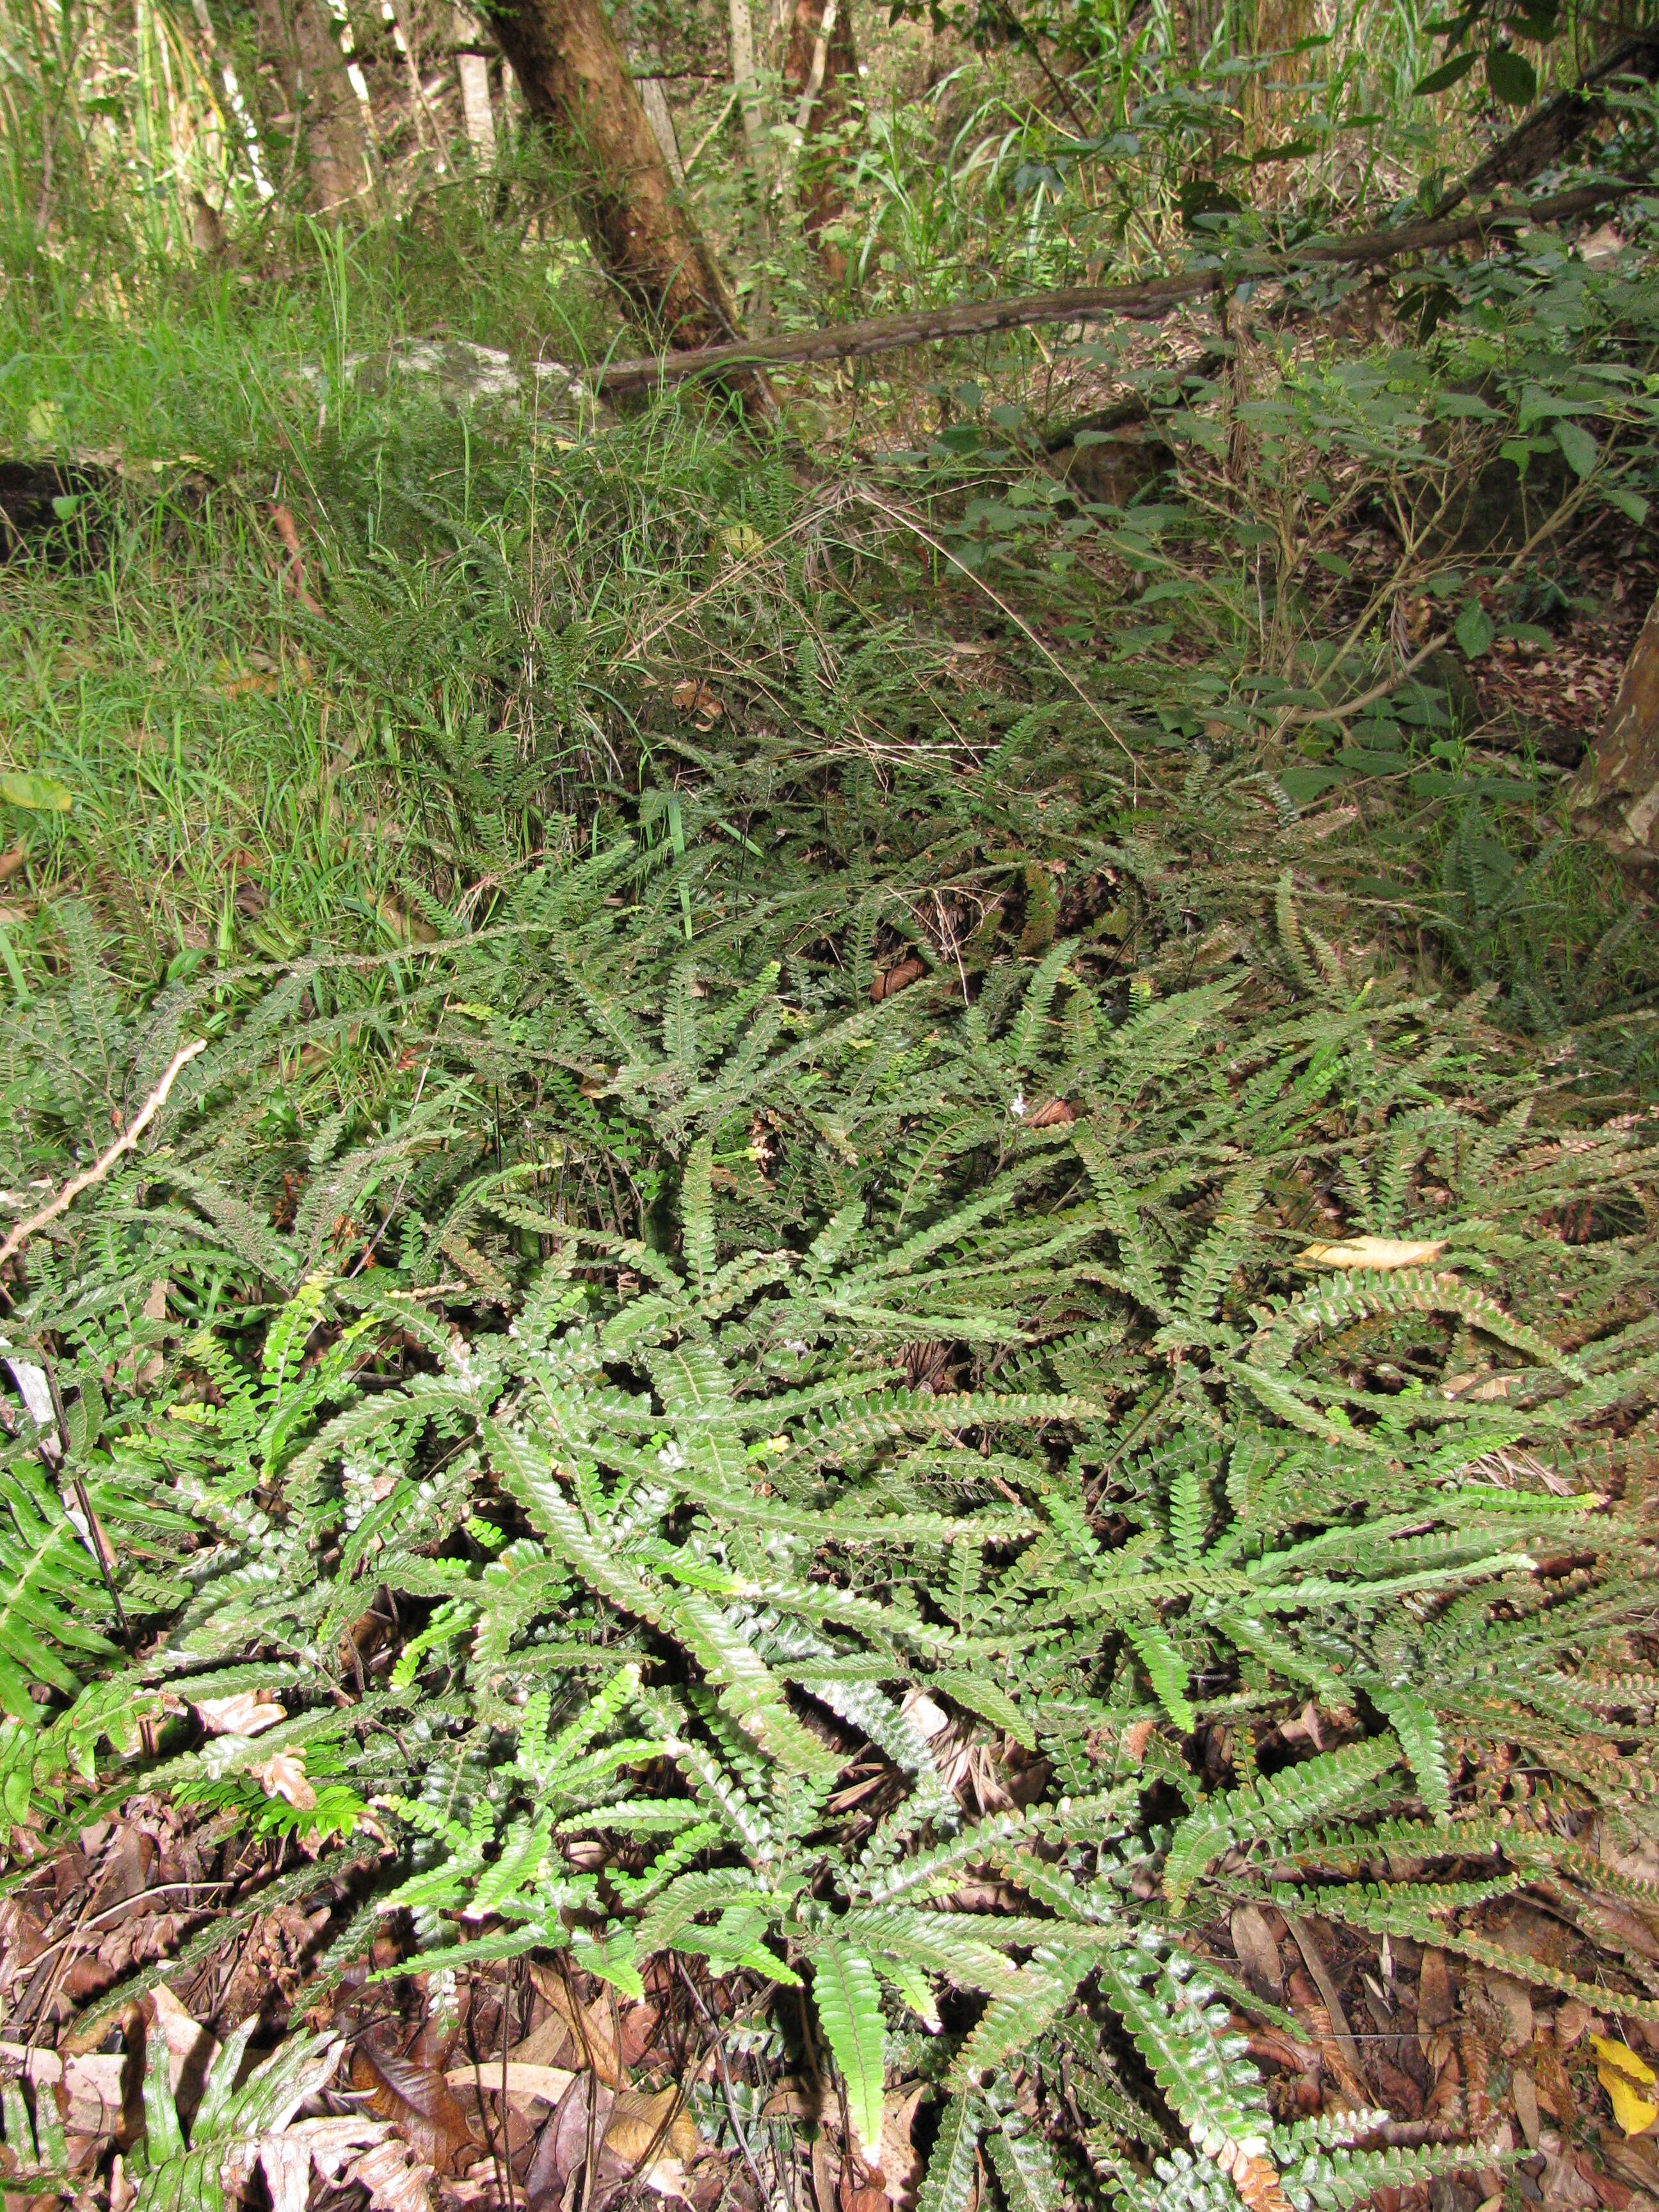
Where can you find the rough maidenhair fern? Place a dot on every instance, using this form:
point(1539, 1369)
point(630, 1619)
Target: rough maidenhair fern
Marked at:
point(800, 1395)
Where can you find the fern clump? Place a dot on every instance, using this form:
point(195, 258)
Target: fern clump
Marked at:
point(821, 1381)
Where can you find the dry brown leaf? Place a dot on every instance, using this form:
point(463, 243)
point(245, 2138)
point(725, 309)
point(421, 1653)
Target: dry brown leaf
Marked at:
point(191, 2049)
point(1571, 2020)
point(1255, 2177)
point(901, 2161)
point(12, 862)
point(691, 697)
point(94, 2083)
point(525, 2078)
point(898, 978)
point(547, 2043)
point(638, 2122)
point(823, 2173)
point(1523, 2095)
point(1257, 1952)
point(1136, 1737)
point(393, 2182)
point(418, 2102)
point(1381, 1252)
point(283, 1775)
point(584, 2109)
point(286, 2159)
point(1434, 2002)
point(250, 1712)
point(1054, 1115)
point(589, 2025)
point(1511, 2004)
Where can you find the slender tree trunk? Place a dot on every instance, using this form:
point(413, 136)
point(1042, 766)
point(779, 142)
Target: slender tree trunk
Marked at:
point(298, 36)
point(574, 80)
point(1619, 781)
point(821, 81)
point(746, 84)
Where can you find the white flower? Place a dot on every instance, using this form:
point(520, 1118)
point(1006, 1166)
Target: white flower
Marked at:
point(1017, 1105)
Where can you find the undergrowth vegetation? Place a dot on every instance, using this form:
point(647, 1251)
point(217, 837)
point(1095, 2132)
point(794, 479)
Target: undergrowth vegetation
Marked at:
point(903, 1231)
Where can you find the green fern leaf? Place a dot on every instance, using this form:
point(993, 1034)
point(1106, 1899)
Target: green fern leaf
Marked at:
point(848, 2006)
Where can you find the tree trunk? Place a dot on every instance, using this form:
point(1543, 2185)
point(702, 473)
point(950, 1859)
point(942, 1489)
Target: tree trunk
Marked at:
point(746, 84)
point(298, 36)
point(574, 80)
point(1619, 782)
point(653, 99)
point(821, 81)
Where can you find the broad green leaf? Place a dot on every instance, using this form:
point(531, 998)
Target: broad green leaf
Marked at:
point(37, 794)
point(1511, 77)
point(1576, 445)
point(1448, 74)
point(1473, 630)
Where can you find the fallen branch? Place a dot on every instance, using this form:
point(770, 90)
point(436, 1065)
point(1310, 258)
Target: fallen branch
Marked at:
point(1551, 131)
point(1147, 302)
point(101, 1167)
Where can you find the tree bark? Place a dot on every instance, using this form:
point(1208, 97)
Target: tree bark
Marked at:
point(576, 81)
point(1619, 782)
point(820, 82)
point(298, 37)
point(653, 99)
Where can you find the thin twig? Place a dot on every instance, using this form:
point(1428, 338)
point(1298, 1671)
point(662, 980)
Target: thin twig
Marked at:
point(94, 1533)
point(96, 1173)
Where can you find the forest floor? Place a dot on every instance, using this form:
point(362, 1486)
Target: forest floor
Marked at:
point(919, 1188)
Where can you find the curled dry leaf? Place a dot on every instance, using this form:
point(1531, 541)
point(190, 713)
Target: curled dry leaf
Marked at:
point(1381, 1252)
point(418, 2102)
point(283, 1775)
point(1056, 1115)
point(526, 2079)
point(1136, 1737)
point(692, 697)
point(287, 2157)
point(250, 1712)
point(394, 2183)
point(643, 2126)
point(898, 978)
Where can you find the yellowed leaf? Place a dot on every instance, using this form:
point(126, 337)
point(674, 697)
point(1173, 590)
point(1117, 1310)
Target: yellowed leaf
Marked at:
point(1375, 1252)
point(1624, 2076)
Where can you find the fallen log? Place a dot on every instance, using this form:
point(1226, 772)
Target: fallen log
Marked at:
point(1147, 302)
